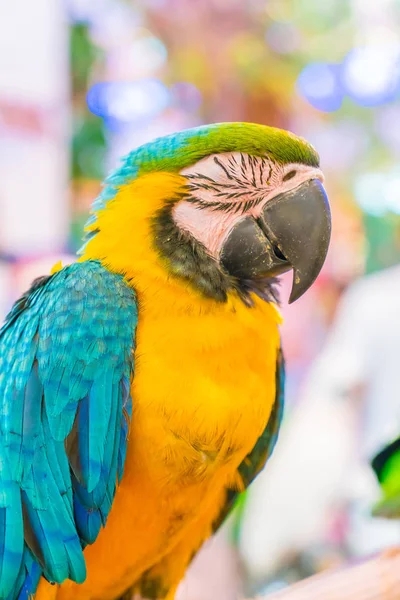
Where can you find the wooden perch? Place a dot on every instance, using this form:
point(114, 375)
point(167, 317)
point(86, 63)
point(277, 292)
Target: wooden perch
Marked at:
point(375, 579)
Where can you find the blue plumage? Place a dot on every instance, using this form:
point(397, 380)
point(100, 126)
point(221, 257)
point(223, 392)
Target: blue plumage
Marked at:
point(66, 361)
point(27, 580)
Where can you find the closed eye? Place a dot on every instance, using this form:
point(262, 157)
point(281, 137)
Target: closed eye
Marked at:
point(289, 175)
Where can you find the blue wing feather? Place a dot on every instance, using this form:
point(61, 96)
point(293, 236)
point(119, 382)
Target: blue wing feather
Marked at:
point(28, 578)
point(66, 362)
point(92, 507)
point(11, 527)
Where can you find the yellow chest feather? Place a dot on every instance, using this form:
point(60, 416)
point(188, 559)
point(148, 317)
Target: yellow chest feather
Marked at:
point(203, 388)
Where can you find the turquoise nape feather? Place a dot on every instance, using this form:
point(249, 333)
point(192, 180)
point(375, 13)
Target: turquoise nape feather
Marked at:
point(66, 362)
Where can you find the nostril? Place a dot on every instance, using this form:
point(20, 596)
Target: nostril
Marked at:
point(278, 253)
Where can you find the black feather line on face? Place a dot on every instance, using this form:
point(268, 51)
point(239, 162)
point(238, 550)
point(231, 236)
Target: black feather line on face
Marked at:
point(188, 259)
point(219, 163)
point(252, 161)
point(243, 165)
point(241, 205)
point(241, 192)
point(262, 171)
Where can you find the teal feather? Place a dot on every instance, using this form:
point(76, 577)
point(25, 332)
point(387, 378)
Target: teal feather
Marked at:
point(107, 193)
point(65, 348)
point(112, 479)
point(11, 528)
point(92, 508)
point(92, 219)
point(117, 179)
point(127, 412)
point(27, 580)
point(101, 202)
point(52, 523)
point(100, 397)
point(88, 521)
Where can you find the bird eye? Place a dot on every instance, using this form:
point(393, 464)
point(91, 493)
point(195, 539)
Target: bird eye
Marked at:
point(289, 175)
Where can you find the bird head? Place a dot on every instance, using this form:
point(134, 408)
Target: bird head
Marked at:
point(249, 206)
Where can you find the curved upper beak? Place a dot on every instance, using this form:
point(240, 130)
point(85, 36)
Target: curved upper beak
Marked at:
point(293, 232)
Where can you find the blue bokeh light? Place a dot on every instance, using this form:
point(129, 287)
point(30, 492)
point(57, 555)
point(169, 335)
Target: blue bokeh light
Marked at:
point(370, 75)
point(128, 101)
point(319, 84)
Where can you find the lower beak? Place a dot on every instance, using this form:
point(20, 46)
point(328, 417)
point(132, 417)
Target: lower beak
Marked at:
point(293, 232)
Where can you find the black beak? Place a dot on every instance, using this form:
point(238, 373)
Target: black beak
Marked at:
point(293, 232)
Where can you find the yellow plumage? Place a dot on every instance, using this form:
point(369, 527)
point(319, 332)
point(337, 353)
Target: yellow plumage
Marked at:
point(202, 394)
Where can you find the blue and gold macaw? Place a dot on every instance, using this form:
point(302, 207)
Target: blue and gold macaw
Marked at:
point(141, 388)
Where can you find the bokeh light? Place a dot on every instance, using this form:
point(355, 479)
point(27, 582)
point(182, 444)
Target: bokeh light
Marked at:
point(147, 53)
point(115, 26)
point(368, 192)
point(378, 193)
point(140, 57)
point(128, 101)
point(319, 84)
point(371, 74)
point(87, 10)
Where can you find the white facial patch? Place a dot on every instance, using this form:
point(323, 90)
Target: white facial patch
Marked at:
point(225, 188)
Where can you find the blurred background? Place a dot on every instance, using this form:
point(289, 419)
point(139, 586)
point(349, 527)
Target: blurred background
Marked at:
point(83, 82)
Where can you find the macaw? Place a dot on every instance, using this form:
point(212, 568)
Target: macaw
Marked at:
point(386, 465)
point(142, 386)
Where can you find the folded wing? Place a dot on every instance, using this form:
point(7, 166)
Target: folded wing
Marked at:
point(66, 363)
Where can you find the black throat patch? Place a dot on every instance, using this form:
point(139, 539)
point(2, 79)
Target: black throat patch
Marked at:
point(188, 259)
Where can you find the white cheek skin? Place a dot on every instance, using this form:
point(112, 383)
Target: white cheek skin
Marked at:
point(211, 227)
